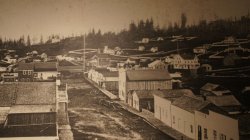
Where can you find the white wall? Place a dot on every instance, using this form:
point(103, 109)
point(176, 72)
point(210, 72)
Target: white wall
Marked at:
point(162, 109)
point(122, 84)
point(214, 121)
point(135, 101)
point(183, 121)
point(45, 75)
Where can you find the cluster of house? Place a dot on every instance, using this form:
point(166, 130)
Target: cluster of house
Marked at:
point(228, 52)
point(34, 71)
point(213, 114)
point(32, 110)
point(32, 67)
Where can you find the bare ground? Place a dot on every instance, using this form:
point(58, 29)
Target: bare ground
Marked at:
point(93, 116)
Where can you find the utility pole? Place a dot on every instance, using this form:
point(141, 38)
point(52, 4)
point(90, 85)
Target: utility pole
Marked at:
point(84, 54)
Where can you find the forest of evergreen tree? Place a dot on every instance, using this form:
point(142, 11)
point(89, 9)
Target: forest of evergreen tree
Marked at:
point(206, 31)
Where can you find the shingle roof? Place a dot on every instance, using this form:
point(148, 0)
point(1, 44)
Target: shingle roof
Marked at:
point(45, 66)
point(225, 100)
point(36, 93)
point(142, 94)
point(38, 66)
point(7, 94)
point(25, 93)
point(190, 104)
point(25, 66)
point(147, 75)
point(172, 94)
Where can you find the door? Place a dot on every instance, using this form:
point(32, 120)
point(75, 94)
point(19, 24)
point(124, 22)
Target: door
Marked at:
point(199, 133)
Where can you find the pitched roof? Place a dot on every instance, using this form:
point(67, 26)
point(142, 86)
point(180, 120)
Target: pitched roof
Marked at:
point(45, 66)
point(6, 94)
point(36, 93)
point(209, 86)
point(110, 74)
point(172, 94)
point(190, 104)
point(101, 55)
point(100, 70)
point(147, 75)
point(214, 108)
point(28, 93)
point(187, 56)
point(25, 66)
point(154, 63)
point(225, 100)
point(142, 94)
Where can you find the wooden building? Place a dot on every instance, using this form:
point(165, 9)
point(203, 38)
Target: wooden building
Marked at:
point(163, 100)
point(100, 60)
point(143, 79)
point(25, 72)
point(28, 109)
point(142, 99)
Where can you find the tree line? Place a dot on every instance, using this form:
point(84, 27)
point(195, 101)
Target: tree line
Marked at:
point(206, 31)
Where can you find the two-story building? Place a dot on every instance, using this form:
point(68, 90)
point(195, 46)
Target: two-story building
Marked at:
point(25, 72)
point(177, 61)
point(158, 64)
point(142, 79)
point(100, 60)
point(38, 71)
point(163, 100)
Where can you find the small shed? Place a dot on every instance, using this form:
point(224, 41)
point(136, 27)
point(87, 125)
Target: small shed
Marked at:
point(143, 99)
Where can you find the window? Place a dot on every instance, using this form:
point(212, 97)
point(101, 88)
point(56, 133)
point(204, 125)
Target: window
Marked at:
point(191, 129)
point(29, 72)
point(205, 134)
point(24, 72)
point(215, 134)
point(223, 137)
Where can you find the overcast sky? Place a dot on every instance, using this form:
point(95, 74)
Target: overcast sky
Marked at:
point(64, 17)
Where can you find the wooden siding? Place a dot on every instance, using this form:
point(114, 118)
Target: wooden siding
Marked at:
point(31, 118)
point(111, 85)
point(29, 131)
point(149, 85)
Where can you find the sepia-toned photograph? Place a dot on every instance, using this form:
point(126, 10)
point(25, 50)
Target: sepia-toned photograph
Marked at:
point(124, 69)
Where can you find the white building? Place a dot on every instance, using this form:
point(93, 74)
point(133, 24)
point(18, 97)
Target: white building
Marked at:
point(211, 125)
point(107, 50)
point(162, 103)
point(178, 61)
point(157, 64)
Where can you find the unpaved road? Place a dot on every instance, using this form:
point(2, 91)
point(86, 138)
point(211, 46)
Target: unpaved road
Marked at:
point(95, 117)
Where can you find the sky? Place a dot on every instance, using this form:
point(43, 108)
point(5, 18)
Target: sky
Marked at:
point(67, 17)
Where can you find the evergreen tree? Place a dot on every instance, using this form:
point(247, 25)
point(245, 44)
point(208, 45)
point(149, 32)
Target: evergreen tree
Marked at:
point(41, 40)
point(183, 20)
point(28, 41)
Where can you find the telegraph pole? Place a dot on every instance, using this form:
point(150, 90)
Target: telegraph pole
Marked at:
point(83, 68)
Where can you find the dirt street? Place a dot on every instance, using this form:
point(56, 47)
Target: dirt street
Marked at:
point(93, 116)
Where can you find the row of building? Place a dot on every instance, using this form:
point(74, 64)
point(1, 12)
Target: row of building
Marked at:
point(214, 113)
